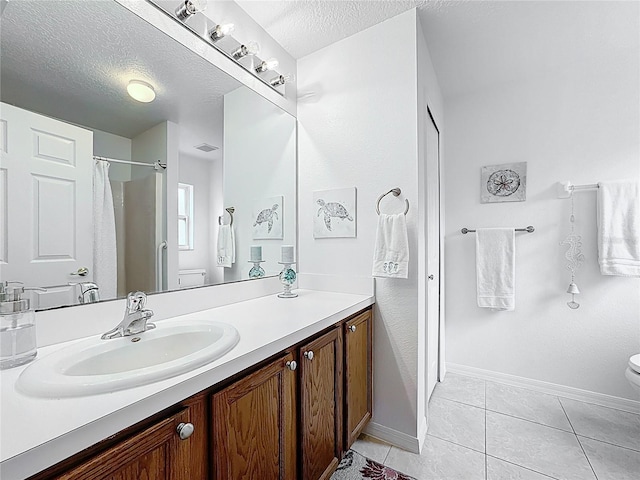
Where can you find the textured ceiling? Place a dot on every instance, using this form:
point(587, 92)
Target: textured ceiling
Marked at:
point(304, 26)
point(78, 65)
point(473, 43)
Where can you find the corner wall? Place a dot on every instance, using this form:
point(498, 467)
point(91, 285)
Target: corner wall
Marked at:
point(580, 124)
point(357, 114)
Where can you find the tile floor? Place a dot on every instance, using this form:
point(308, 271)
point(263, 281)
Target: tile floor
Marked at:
point(489, 431)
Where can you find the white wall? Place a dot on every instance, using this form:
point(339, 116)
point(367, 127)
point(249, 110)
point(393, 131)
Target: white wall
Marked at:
point(259, 162)
point(357, 114)
point(201, 174)
point(429, 100)
point(580, 123)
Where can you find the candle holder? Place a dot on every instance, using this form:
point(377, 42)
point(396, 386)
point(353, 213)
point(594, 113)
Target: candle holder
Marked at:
point(256, 271)
point(287, 278)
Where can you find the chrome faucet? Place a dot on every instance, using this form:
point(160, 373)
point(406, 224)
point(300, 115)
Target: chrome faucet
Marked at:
point(135, 318)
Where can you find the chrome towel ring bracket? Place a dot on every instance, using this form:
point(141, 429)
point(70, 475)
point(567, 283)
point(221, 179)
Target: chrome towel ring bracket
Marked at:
point(230, 211)
point(396, 192)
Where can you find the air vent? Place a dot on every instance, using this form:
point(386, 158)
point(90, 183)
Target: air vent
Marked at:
point(205, 147)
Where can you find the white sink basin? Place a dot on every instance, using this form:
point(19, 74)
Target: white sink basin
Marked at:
point(95, 366)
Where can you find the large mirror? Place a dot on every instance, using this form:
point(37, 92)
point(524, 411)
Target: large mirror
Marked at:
point(102, 194)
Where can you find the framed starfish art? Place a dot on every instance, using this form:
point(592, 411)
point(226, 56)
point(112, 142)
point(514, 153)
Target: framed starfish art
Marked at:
point(504, 183)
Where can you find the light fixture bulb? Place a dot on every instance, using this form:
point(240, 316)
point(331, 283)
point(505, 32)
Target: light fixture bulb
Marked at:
point(220, 31)
point(251, 48)
point(189, 7)
point(141, 91)
point(270, 64)
point(282, 79)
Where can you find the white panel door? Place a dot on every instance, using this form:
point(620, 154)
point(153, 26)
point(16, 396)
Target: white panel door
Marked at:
point(46, 197)
point(432, 183)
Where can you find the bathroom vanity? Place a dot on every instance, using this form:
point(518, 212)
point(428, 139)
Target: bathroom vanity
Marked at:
point(286, 403)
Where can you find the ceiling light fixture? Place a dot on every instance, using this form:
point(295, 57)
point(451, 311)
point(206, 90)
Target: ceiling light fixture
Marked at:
point(141, 91)
point(281, 80)
point(220, 31)
point(251, 48)
point(189, 7)
point(270, 64)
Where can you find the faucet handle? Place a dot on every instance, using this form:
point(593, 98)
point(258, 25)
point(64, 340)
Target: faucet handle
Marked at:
point(136, 301)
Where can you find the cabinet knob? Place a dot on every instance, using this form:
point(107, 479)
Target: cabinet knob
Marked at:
point(430, 277)
point(309, 355)
point(352, 328)
point(185, 430)
point(292, 365)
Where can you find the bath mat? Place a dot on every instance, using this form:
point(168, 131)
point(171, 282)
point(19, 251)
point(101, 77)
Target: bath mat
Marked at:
point(356, 467)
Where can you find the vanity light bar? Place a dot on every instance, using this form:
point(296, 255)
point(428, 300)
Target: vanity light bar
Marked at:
point(187, 9)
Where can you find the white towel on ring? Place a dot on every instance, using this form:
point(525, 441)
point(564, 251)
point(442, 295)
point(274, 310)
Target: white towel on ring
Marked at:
point(226, 251)
point(495, 268)
point(391, 253)
point(619, 228)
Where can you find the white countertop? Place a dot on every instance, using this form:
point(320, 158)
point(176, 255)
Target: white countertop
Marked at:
point(37, 433)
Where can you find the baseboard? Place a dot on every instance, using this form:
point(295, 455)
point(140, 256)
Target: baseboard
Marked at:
point(550, 388)
point(394, 437)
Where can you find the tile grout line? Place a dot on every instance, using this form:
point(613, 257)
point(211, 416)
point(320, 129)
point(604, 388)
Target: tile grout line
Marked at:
point(578, 439)
point(522, 466)
point(607, 443)
point(455, 443)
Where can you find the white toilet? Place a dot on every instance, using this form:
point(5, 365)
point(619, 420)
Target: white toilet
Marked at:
point(633, 372)
point(191, 278)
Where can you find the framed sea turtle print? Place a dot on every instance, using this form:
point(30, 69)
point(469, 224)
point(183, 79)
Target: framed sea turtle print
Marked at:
point(504, 183)
point(267, 218)
point(334, 213)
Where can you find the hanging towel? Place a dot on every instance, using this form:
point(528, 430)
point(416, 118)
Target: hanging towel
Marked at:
point(226, 253)
point(619, 228)
point(391, 254)
point(105, 260)
point(495, 268)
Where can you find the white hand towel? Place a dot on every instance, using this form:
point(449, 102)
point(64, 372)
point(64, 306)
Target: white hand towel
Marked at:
point(495, 268)
point(105, 261)
point(619, 228)
point(226, 252)
point(391, 254)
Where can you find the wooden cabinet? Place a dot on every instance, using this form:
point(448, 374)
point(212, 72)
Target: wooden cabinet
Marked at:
point(321, 405)
point(253, 425)
point(156, 453)
point(291, 417)
point(357, 375)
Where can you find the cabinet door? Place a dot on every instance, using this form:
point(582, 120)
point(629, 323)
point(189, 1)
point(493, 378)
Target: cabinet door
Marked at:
point(321, 405)
point(254, 425)
point(153, 454)
point(358, 375)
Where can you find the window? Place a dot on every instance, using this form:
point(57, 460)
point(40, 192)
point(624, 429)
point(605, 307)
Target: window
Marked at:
point(185, 216)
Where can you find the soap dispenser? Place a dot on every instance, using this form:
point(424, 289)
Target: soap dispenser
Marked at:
point(17, 326)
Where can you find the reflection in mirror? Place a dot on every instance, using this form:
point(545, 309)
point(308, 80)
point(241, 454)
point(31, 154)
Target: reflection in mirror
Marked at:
point(100, 189)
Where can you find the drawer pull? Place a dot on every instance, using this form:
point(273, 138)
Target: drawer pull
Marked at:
point(292, 365)
point(309, 355)
point(352, 328)
point(185, 430)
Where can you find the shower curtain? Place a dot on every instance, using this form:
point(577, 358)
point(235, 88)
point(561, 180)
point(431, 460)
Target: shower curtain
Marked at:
point(105, 261)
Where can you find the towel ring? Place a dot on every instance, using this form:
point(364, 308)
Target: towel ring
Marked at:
point(396, 191)
point(230, 211)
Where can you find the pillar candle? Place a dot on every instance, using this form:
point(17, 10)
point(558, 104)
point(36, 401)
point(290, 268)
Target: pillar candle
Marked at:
point(256, 253)
point(287, 254)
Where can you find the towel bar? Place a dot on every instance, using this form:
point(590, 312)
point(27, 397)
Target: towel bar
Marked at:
point(528, 229)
